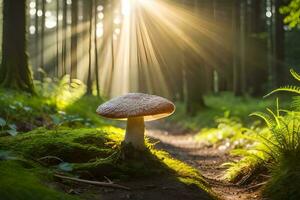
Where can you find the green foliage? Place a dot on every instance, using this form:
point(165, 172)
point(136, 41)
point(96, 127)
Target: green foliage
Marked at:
point(57, 103)
point(277, 149)
point(19, 182)
point(224, 105)
point(228, 133)
point(293, 13)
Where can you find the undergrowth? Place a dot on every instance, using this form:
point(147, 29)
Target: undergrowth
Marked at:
point(223, 105)
point(275, 151)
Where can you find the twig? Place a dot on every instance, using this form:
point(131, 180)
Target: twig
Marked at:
point(108, 180)
point(257, 185)
point(104, 184)
point(50, 157)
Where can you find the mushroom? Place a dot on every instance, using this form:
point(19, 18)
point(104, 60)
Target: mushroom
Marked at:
point(136, 108)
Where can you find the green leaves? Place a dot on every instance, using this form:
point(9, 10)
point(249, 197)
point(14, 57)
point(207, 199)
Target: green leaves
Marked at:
point(65, 166)
point(2, 122)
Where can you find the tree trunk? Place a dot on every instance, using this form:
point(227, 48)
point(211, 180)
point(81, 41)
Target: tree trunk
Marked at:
point(64, 38)
point(42, 40)
point(74, 33)
point(96, 49)
point(57, 38)
point(36, 24)
point(89, 79)
point(14, 71)
point(280, 72)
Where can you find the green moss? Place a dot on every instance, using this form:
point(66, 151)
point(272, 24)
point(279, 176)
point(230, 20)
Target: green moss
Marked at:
point(78, 145)
point(98, 153)
point(20, 183)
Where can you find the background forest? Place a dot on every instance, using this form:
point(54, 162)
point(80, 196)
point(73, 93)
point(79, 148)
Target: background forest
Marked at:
point(230, 66)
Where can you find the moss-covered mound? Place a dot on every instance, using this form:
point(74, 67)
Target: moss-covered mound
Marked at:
point(95, 153)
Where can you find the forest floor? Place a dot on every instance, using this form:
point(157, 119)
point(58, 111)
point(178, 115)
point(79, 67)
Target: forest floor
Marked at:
point(207, 159)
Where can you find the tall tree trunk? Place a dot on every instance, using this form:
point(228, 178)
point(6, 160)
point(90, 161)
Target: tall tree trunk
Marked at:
point(235, 59)
point(42, 71)
point(96, 48)
point(64, 38)
point(36, 24)
point(89, 79)
point(74, 37)
point(14, 71)
point(280, 72)
point(57, 37)
point(243, 30)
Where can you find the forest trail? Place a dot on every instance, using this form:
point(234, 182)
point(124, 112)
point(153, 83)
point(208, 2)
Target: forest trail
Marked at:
point(207, 160)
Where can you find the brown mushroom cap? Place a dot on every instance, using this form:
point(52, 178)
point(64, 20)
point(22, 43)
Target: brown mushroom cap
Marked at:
point(151, 107)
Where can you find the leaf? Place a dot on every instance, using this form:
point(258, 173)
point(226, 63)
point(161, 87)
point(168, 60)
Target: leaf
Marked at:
point(6, 155)
point(27, 108)
point(12, 107)
point(2, 122)
point(12, 126)
point(12, 132)
point(56, 120)
point(65, 166)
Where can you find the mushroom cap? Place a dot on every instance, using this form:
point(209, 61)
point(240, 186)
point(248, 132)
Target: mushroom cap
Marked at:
point(150, 107)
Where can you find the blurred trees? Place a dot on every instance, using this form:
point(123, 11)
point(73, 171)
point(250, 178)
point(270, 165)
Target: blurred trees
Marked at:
point(14, 71)
point(243, 45)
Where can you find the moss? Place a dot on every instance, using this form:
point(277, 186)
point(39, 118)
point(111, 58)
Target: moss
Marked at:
point(98, 153)
point(67, 144)
point(21, 183)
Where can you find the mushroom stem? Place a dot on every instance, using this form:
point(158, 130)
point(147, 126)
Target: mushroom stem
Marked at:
point(135, 132)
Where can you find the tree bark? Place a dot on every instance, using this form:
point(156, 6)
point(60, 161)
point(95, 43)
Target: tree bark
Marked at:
point(280, 72)
point(96, 49)
point(64, 38)
point(74, 37)
point(42, 40)
point(14, 71)
point(57, 38)
point(89, 79)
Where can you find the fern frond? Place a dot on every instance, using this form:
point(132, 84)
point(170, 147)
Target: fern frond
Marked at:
point(295, 74)
point(296, 103)
point(276, 117)
point(288, 88)
point(268, 120)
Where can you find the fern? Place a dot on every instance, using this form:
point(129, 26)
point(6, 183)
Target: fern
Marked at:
point(289, 88)
point(295, 74)
point(267, 119)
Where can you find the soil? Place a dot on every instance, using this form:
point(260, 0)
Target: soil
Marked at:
point(207, 159)
point(181, 145)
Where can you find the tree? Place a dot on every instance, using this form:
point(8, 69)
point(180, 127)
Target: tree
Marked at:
point(89, 79)
point(280, 72)
point(43, 38)
point(14, 71)
point(74, 33)
point(96, 49)
point(57, 37)
point(36, 24)
point(64, 38)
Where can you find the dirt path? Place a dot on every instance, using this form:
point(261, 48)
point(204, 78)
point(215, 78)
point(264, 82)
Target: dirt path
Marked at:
point(207, 159)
